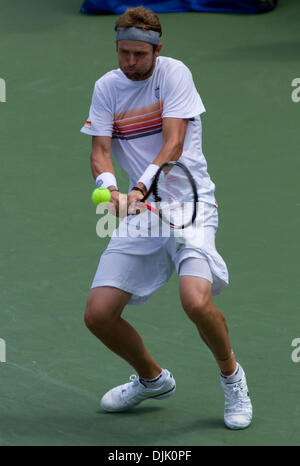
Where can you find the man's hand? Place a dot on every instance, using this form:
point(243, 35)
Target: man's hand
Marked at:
point(118, 204)
point(122, 205)
point(133, 200)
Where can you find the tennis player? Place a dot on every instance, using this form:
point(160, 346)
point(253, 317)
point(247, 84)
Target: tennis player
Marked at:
point(145, 113)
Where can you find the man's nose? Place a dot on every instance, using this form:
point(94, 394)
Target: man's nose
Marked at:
point(131, 60)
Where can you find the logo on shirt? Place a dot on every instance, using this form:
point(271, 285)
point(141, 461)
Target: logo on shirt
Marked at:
point(157, 93)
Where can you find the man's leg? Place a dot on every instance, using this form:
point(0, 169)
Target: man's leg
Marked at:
point(197, 302)
point(103, 318)
point(195, 294)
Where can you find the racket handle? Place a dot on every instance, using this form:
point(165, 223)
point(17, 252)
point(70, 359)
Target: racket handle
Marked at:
point(152, 209)
point(143, 206)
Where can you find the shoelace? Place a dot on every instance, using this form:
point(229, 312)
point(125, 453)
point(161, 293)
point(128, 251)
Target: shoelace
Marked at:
point(237, 396)
point(129, 387)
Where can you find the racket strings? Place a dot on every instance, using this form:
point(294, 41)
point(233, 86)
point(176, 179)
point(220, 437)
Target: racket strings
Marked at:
point(176, 196)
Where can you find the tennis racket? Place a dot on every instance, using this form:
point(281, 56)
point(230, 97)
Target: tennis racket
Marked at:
point(175, 194)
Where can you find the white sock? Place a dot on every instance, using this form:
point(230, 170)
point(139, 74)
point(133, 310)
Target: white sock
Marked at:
point(235, 377)
point(156, 382)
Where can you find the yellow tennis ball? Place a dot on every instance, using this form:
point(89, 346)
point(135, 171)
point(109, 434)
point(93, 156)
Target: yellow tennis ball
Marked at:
point(101, 195)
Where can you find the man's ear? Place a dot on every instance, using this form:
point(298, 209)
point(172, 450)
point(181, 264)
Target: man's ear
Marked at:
point(158, 49)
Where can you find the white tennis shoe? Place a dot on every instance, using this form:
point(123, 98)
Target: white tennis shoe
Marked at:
point(130, 394)
point(238, 407)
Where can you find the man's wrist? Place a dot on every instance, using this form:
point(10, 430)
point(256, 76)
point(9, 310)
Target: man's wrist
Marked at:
point(140, 187)
point(148, 175)
point(113, 188)
point(106, 180)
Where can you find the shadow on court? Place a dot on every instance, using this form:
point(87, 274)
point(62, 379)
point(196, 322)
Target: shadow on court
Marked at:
point(108, 429)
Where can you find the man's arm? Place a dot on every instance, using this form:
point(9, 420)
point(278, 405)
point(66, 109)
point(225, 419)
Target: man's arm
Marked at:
point(173, 131)
point(101, 162)
point(101, 156)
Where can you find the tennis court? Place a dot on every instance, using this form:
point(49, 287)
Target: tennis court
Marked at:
point(55, 370)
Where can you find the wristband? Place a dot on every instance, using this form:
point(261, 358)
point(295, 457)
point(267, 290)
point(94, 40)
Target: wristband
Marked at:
point(148, 175)
point(106, 179)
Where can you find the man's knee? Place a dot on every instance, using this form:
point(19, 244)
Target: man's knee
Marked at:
point(198, 307)
point(101, 311)
point(96, 315)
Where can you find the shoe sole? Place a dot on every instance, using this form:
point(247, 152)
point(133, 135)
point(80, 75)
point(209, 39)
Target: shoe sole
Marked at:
point(235, 427)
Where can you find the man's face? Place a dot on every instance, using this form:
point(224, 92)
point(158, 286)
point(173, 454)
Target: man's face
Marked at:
point(137, 59)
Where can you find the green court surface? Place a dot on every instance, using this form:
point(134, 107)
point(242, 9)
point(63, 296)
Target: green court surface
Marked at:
point(55, 370)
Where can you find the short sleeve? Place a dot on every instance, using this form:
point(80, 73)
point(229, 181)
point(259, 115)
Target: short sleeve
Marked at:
point(181, 98)
point(100, 119)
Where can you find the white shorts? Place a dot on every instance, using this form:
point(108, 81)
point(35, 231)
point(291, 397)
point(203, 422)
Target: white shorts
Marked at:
point(141, 265)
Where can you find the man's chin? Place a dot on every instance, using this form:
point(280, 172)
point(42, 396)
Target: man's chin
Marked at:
point(134, 76)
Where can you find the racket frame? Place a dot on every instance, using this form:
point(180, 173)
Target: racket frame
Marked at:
point(154, 190)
